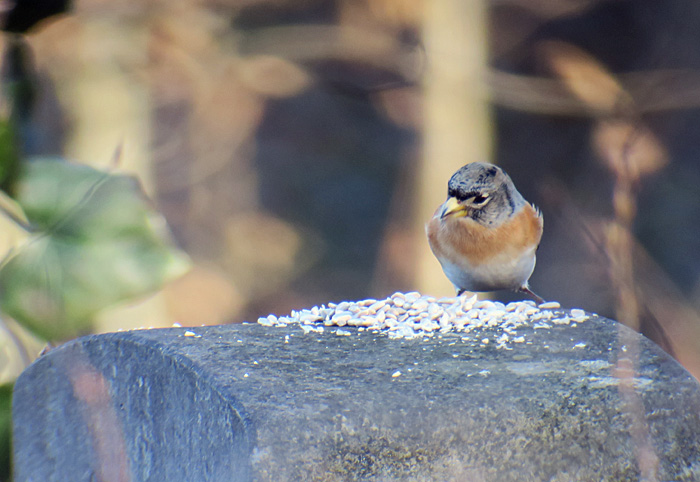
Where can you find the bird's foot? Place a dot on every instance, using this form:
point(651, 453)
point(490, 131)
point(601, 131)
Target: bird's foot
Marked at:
point(538, 299)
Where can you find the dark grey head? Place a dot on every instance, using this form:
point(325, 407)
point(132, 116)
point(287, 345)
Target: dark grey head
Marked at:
point(485, 193)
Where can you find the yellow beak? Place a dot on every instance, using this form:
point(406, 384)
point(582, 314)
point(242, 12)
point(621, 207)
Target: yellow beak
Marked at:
point(453, 207)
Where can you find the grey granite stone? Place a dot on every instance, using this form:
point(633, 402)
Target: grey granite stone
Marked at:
point(249, 402)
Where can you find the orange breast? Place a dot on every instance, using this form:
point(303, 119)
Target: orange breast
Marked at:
point(463, 239)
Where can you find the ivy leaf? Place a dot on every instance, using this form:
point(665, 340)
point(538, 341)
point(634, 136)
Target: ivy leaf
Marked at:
point(9, 157)
point(95, 241)
point(5, 430)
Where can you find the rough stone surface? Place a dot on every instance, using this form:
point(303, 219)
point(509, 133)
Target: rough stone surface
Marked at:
point(250, 402)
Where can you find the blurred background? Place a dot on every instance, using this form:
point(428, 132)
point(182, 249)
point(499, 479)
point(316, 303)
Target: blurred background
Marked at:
point(296, 148)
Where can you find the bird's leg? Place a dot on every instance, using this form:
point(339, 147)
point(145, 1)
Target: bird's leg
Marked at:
point(460, 291)
point(536, 297)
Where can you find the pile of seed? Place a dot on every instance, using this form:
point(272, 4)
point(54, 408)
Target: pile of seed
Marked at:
point(410, 315)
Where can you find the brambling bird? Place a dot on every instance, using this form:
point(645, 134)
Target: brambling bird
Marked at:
point(485, 235)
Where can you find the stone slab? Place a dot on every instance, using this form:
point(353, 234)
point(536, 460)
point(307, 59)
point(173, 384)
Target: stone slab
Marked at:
point(254, 403)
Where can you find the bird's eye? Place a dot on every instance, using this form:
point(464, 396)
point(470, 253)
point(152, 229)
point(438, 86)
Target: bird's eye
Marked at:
point(479, 199)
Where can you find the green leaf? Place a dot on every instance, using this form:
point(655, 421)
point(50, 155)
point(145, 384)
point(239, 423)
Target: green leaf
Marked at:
point(5, 430)
point(9, 157)
point(96, 241)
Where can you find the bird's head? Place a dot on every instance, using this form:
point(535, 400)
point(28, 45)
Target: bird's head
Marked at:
point(482, 192)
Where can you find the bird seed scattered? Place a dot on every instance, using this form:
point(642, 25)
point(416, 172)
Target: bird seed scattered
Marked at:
point(411, 315)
